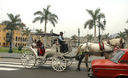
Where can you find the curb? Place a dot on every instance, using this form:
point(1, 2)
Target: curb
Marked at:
point(11, 57)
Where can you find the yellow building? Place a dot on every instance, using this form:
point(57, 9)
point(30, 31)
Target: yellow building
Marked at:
point(3, 36)
point(18, 38)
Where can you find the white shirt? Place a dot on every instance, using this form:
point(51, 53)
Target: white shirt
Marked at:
point(60, 37)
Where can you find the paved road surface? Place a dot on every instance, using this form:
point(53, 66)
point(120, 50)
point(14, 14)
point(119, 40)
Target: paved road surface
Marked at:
point(12, 68)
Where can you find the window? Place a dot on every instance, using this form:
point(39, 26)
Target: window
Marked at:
point(116, 56)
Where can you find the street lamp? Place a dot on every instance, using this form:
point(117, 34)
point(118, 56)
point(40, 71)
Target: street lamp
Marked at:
point(104, 22)
point(78, 36)
point(10, 41)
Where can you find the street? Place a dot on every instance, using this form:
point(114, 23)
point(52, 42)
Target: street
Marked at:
point(12, 68)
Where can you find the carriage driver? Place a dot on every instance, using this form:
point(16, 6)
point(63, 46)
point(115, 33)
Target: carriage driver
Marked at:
point(64, 46)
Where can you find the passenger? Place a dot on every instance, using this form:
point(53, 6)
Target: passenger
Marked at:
point(64, 46)
point(40, 48)
point(34, 44)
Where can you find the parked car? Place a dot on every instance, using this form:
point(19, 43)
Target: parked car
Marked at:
point(114, 67)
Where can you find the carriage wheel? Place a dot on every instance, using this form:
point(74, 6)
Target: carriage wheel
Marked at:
point(59, 63)
point(69, 62)
point(28, 58)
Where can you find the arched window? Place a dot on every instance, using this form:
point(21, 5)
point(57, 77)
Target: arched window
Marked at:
point(16, 38)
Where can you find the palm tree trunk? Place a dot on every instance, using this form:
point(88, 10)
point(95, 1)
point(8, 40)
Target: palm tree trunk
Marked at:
point(95, 33)
point(45, 30)
point(45, 27)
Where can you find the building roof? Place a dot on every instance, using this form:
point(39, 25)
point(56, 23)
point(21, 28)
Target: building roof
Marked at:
point(48, 34)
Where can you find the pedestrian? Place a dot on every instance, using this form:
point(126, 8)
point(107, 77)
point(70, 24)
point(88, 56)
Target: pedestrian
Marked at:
point(34, 44)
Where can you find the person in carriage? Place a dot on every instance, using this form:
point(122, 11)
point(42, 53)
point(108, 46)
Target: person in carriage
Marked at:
point(40, 48)
point(63, 45)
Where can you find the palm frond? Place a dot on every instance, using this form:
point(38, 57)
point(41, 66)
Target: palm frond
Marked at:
point(97, 11)
point(52, 22)
point(48, 7)
point(90, 12)
point(37, 19)
point(11, 17)
point(39, 13)
point(89, 23)
point(54, 15)
point(6, 22)
point(102, 26)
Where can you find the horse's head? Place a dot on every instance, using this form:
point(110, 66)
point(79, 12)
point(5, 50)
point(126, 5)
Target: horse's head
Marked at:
point(118, 42)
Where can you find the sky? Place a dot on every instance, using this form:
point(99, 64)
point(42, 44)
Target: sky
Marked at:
point(72, 14)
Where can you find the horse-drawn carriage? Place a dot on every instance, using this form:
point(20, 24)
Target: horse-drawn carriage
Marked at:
point(59, 61)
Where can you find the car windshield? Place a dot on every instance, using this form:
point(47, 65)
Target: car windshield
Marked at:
point(116, 56)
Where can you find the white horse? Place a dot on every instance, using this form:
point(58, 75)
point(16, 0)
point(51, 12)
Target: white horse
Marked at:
point(87, 49)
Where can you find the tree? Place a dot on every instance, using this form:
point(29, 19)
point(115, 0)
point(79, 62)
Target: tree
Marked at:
point(39, 31)
point(26, 31)
point(122, 35)
point(89, 37)
point(74, 39)
point(126, 32)
point(94, 18)
point(14, 23)
point(46, 16)
point(105, 36)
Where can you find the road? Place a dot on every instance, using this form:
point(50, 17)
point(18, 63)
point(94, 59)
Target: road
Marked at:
point(12, 68)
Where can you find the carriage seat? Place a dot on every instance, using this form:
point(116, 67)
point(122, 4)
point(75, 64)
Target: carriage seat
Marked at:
point(63, 46)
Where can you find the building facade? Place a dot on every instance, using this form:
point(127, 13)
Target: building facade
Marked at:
point(18, 38)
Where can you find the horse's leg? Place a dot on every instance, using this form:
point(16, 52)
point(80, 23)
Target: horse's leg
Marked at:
point(86, 61)
point(106, 55)
point(80, 60)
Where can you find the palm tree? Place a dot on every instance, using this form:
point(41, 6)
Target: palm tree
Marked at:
point(126, 32)
point(39, 31)
point(89, 37)
point(14, 23)
point(105, 36)
point(74, 39)
point(94, 18)
point(122, 35)
point(27, 32)
point(46, 16)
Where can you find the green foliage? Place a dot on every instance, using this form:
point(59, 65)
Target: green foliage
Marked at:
point(89, 37)
point(74, 37)
point(91, 23)
point(105, 36)
point(26, 31)
point(126, 32)
point(46, 16)
point(122, 35)
point(13, 23)
point(39, 31)
point(5, 49)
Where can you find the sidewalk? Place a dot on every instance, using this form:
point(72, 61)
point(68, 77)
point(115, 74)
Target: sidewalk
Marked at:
point(10, 55)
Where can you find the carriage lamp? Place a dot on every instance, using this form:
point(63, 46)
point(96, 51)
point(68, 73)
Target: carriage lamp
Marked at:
point(78, 36)
point(104, 22)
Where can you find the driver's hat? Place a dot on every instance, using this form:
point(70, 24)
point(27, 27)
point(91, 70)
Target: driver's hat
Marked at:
point(61, 32)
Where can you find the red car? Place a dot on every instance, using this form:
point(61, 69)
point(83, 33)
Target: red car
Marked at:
point(115, 67)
